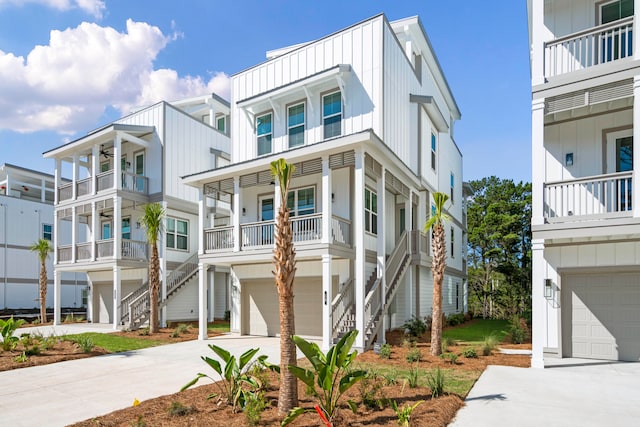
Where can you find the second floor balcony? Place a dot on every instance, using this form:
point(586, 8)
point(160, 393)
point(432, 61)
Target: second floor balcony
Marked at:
point(134, 250)
point(104, 181)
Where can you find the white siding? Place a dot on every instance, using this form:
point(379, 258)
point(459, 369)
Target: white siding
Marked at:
point(184, 305)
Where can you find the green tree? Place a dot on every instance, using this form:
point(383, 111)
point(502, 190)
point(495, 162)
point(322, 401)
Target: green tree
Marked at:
point(438, 265)
point(42, 248)
point(499, 247)
point(284, 260)
point(152, 221)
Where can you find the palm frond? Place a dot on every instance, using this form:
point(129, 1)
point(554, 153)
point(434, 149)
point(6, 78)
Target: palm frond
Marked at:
point(152, 221)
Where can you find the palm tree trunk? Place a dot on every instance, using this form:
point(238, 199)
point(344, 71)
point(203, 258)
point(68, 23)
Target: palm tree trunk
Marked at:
point(437, 270)
point(154, 287)
point(284, 264)
point(43, 292)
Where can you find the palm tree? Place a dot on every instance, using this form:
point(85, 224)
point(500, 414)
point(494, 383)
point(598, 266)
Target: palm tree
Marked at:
point(42, 247)
point(438, 264)
point(152, 222)
point(284, 259)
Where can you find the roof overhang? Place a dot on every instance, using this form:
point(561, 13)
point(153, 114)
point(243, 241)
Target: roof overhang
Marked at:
point(104, 135)
point(433, 111)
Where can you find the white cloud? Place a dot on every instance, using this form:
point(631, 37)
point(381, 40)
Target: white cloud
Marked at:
point(66, 85)
point(92, 7)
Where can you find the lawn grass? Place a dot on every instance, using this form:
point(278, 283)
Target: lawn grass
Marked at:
point(475, 331)
point(219, 327)
point(115, 343)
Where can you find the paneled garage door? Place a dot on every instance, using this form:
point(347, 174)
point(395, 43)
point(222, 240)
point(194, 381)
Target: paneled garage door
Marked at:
point(601, 316)
point(260, 307)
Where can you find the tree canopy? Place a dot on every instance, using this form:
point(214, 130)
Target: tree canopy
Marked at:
point(499, 247)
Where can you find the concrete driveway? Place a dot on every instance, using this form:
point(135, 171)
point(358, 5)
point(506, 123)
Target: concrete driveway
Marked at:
point(568, 392)
point(67, 392)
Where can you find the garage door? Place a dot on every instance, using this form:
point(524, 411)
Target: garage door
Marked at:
point(260, 307)
point(601, 316)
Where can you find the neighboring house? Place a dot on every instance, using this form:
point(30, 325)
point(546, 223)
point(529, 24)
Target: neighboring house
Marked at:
point(586, 209)
point(367, 117)
point(115, 170)
point(26, 215)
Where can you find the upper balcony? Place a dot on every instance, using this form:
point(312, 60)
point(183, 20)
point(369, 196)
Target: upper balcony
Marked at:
point(104, 181)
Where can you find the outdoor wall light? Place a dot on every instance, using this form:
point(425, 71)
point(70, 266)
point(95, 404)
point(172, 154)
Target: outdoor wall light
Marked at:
point(548, 290)
point(333, 197)
point(568, 159)
point(244, 211)
point(128, 164)
point(138, 225)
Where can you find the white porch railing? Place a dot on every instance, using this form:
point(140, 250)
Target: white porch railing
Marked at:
point(602, 196)
point(128, 182)
point(342, 305)
point(218, 238)
point(64, 253)
point(83, 187)
point(65, 191)
point(135, 249)
point(256, 234)
point(307, 228)
point(105, 180)
point(584, 49)
point(340, 230)
point(104, 248)
point(83, 251)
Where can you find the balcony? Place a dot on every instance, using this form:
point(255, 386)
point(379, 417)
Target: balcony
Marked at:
point(588, 48)
point(590, 198)
point(129, 182)
point(134, 250)
point(259, 235)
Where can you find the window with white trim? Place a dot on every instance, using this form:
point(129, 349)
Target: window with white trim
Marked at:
point(177, 234)
point(295, 125)
point(126, 228)
point(264, 132)
point(453, 239)
point(453, 186)
point(370, 211)
point(302, 201)
point(332, 114)
point(433, 151)
point(221, 124)
point(47, 232)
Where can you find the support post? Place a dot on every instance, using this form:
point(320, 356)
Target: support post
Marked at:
point(539, 324)
point(326, 201)
point(117, 289)
point(358, 224)
point(381, 250)
point(538, 161)
point(635, 203)
point(237, 199)
point(327, 298)
point(202, 301)
point(57, 290)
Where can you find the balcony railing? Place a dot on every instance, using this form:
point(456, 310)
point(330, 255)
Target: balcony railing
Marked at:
point(603, 196)
point(128, 182)
point(255, 235)
point(594, 46)
point(84, 187)
point(83, 251)
point(65, 253)
point(65, 192)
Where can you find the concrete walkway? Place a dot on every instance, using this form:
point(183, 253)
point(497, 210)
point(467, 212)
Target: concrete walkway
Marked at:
point(67, 392)
point(568, 392)
point(66, 329)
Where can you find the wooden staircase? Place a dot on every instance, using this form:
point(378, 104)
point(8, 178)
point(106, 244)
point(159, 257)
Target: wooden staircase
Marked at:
point(135, 307)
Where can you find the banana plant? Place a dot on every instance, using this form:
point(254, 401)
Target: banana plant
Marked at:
point(236, 382)
point(330, 372)
point(7, 328)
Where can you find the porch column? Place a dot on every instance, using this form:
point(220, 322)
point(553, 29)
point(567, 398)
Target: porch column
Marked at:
point(89, 301)
point(94, 230)
point(163, 271)
point(212, 113)
point(56, 181)
point(202, 301)
point(636, 36)
point(117, 172)
point(43, 190)
point(327, 298)
point(201, 218)
point(538, 161)
point(538, 321)
point(382, 250)
point(74, 179)
point(237, 196)
point(55, 235)
point(408, 224)
point(57, 290)
point(74, 234)
point(326, 201)
point(358, 233)
point(117, 228)
point(95, 157)
point(117, 289)
point(636, 141)
point(537, 43)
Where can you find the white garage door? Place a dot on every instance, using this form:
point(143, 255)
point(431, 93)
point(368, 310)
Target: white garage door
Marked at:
point(260, 307)
point(601, 316)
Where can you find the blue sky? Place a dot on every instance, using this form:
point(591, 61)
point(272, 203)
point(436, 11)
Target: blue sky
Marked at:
point(69, 66)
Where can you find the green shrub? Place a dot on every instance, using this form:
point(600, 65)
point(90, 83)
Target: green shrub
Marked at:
point(404, 413)
point(85, 343)
point(182, 328)
point(26, 339)
point(370, 389)
point(331, 371)
point(413, 376)
point(7, 329)
point(435, 381)
point(255, 405)
point(69, 318)
point(144, 331)
point(455, 319)
point(391, 378)
point(35, 321)
point(470, 353)
point(518, 330)
point(489, 344)
point(449, 357)
point(32, 350)
point(414, 355)
point(177, 409)
point(415, 327)
point(21, 358)
point(385, 351)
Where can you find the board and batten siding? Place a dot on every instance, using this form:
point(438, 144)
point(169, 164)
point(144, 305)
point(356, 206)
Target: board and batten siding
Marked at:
point(359, 46)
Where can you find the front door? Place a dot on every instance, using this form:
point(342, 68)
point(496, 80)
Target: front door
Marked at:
point(267, 213)
point(624, 163)
point(139, 171)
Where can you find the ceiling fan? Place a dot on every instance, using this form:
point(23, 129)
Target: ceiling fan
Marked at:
point(104, 215)
point(104, 152)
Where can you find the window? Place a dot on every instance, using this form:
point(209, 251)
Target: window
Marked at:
point(453, 186)
point(139, 171)
point(295, 125)
point(453, 240)
point(433, 151)
point(301, 201)
point(264, 132)
point(615, 10)
point(615, 43)
point(126, 228)
point(370, 211)
point(104, 166)
point(106, 230)
point(221, 124)
point(332, 115)
point(84, 295)
point(177, 234)
point(47, 232)
point(457, 296)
